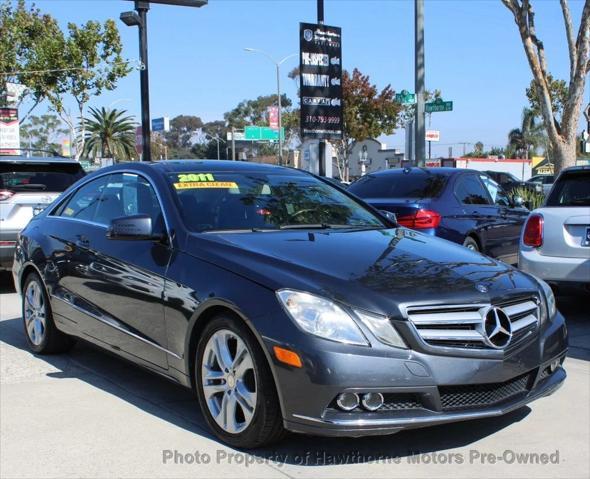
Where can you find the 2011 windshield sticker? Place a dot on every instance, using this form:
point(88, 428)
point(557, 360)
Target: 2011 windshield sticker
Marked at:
point(185, 177)
point(186, 185)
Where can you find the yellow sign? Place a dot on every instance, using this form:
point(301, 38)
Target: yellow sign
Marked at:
point(536, 160)
point(545, 170)
point(186, 185)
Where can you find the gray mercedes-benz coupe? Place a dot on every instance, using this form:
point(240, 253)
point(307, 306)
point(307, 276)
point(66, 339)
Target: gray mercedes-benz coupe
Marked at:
point(284, 301)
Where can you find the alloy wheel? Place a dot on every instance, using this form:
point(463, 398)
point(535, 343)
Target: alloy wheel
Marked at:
point(229, 381)
point(35, 313)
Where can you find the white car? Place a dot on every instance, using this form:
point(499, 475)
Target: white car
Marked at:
point(555, 241)
point(545, 180)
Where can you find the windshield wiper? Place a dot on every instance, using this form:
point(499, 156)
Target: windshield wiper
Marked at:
point(31, 186)
point(318, 226)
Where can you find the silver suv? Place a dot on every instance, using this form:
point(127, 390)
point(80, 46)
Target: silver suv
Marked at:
point(27, 186)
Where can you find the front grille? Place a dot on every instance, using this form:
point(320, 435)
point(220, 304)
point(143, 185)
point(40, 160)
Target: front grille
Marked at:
point(482, 395)
point(462, 326)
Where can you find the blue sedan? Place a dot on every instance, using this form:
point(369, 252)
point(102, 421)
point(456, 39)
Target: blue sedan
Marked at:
point(460, 205)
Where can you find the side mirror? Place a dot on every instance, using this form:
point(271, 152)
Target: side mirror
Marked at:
point(518, 201)
point(136, 227)
point(389, 215)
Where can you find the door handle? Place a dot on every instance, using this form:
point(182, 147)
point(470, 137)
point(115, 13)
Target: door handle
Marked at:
point(82, 241)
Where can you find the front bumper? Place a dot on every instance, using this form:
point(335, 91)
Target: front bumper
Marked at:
point(308, 394)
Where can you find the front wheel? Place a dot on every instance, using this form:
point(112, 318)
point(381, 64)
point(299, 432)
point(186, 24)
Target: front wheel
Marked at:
point(235, 386)
point(42, 335)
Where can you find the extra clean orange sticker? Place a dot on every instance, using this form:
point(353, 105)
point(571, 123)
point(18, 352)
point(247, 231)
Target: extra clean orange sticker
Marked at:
point(186, 185)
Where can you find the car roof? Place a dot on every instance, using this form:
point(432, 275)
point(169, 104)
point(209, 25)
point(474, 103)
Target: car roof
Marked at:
point(446, 171)
point(576, 168)
point(175, 166)
point(36, 159)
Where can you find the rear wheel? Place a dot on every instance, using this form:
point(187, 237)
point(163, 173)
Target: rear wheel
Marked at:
point(42, 335)
point(235, 386)
point(471, 244)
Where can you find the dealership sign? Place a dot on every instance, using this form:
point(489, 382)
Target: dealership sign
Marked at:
point(9, 131)
point(320, 67)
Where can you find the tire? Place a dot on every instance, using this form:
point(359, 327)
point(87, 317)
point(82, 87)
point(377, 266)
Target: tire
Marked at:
point(471, 244)
point(252, 415)
point(42, 335)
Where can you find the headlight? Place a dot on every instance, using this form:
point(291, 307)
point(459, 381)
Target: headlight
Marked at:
point(550, 303)
point(321, 317)
point(382, 329)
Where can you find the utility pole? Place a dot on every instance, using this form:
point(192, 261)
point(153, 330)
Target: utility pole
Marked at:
point(419, 127)
point(233, 143)
point(322, 143)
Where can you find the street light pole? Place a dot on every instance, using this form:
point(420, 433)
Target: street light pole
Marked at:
point(278, 68)
point(142, 9)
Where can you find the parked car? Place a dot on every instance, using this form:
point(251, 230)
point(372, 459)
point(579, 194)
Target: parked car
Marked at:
point(460, 205)
point(287, 303)
point(546, 181)
point(510, 182)
point(27, 185)
point(555, 243)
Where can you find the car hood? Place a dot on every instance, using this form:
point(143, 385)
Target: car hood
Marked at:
point(376, 270)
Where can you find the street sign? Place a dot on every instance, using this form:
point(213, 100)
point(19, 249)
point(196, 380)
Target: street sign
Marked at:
point(9, 131)
point(438, 105)
point(238, 136)
point(161, 124)
point(432, 135)
point(139, 140)
point(320, 87)
point(262, 133)
point(273, 117)
point(405, 97)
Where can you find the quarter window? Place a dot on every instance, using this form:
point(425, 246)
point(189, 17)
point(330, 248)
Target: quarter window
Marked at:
point(470, 191)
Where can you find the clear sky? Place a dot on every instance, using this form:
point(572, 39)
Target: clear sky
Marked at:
point(473, 54)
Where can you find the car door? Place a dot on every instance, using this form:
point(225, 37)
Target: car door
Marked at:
point(123, 281)
point(478, 213)
point(509, 220)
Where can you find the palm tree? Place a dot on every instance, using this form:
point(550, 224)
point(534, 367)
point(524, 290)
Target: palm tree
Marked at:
point(109, 134)
point(528, 137)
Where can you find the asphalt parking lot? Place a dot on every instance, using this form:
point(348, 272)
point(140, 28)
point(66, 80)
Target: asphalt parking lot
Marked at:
point(88, 414)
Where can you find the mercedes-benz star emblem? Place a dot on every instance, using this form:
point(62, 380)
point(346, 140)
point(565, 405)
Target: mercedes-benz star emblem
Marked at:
point(497, 328)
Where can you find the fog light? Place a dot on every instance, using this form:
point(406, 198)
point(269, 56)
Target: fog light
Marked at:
point(372, 401)
point(347, 401)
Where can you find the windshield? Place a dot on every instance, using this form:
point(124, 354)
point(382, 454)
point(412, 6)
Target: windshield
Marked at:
point(571, 189)
point(261, 201)
point(405, 185)
point(50, 177)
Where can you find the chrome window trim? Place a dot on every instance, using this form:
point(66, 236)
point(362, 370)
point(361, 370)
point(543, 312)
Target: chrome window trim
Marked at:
point(123, 171)
point(115, 326)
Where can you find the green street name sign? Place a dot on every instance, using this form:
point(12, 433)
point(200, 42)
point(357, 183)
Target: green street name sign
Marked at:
point(438, 105)
point(262, 133)
point(405, 97)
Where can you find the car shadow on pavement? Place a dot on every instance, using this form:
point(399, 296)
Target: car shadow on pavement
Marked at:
point(177, 405)
point(576, 310)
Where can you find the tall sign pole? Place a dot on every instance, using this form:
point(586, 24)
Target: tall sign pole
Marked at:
point(142, 8)
point(419, 126)
point(322, 144)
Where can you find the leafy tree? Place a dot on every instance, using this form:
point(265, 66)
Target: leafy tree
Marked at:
point(93, 55)
point(42, 132)
point(558, 91)
point(524, 140)
point(368, 113)
point(181, 137)
point(31, 51)
point(560, 110)
point(109, 134)
point(254, 112)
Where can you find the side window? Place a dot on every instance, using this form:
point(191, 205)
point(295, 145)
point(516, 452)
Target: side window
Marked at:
point(496, 192)
point(83, 203)
point(470, 191)
point(128, 194)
